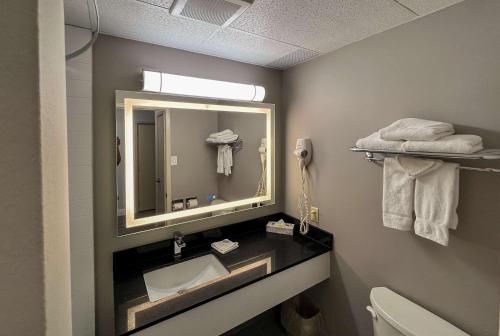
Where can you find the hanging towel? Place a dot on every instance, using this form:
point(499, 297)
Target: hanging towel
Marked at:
point(228, 161)
point(436, 202)
point(416, 130)
point(457, 144)
point(224, 159)
point(220, 159)
point(374, 142)
point(399, 189)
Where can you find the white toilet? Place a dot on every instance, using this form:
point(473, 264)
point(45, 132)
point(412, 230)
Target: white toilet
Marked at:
point(394, 315)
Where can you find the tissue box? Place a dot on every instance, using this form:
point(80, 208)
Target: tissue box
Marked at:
point(280, 227)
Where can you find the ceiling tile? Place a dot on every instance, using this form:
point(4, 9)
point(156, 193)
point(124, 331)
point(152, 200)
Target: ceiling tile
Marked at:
point(244, 47)
point(76, 13)
point(276, 33)
point(139, 21)
point(424, 7)
point(295, 57)
point(321, 25)
point(159, 3)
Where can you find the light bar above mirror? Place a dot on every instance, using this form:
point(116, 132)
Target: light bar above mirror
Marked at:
point(154, 81)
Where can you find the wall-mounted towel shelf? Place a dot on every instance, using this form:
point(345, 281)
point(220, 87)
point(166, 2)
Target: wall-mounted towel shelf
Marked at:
point(489, 154)
point(236, 145)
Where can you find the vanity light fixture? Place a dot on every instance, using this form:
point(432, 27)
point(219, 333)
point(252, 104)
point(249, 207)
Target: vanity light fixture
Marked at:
point(154, 81)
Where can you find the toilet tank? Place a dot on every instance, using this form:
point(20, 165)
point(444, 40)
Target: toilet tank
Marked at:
point(394, 315)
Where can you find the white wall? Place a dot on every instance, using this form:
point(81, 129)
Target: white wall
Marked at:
point(79, 96)
point(34, 230)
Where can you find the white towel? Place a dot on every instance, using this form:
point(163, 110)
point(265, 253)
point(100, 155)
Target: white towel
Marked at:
point(399, 188)
point(436, 202)
point(228, 160)
point(221, 133)
point(224, 159)
point(220, 159)
point(374, 142)
point(457, 143)
point(416, 130)
point(225, 246)
point(223, 139)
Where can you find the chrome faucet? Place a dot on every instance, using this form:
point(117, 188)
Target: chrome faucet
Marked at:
point(178, 243)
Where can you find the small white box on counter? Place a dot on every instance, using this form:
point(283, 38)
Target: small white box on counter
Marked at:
point(280, 227)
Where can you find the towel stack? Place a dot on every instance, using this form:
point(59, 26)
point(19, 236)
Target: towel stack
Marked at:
point(225, 246)
point(224, 151)
point(424, 189)
point(419, 135)
point(223, 137)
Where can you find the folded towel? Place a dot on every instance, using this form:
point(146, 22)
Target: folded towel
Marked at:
point(221, 133)
point(416, 130)
point(223, 139)
point(374, 142)
point(436, 201)
point(399, 188)
point(457, 143)
point(225, 246)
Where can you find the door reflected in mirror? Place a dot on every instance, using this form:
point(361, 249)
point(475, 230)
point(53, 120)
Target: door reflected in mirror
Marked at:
point(180, 160)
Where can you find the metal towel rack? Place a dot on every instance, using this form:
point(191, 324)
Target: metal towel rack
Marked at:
point(490, 154)
point(236, 145)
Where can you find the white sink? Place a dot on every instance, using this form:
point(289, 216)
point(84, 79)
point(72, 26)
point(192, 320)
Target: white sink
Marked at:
point(179, 278)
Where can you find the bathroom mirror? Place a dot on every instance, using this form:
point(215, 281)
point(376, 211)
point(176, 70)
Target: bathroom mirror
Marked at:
point(180, 159)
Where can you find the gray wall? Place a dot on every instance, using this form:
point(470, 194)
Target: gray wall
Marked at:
point(34, 229)
point(445, 66)
point(116, 66)
point(195, 174)
point(245, 175)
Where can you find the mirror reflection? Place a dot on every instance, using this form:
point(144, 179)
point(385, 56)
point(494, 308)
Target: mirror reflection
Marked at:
point(186, 159)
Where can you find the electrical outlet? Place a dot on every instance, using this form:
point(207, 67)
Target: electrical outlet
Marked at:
point(315, 214)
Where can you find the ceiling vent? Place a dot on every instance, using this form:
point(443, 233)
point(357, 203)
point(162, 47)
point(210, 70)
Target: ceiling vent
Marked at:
point(216, 12)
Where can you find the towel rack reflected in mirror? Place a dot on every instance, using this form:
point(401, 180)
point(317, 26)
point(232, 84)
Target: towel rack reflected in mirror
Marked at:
point(489, 154)
point(236, 145)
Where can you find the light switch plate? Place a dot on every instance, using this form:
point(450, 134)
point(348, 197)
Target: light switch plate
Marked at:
point(173, 160)
point(315, 214)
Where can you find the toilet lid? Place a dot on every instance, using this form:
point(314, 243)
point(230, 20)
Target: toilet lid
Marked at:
point(408, 317)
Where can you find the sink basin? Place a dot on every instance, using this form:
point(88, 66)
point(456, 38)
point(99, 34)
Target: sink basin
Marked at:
point(179, 278)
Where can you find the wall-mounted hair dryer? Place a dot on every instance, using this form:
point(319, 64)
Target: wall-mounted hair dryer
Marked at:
point(303, 151)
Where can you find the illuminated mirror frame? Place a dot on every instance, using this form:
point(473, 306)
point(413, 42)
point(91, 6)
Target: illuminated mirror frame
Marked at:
point(128, 100)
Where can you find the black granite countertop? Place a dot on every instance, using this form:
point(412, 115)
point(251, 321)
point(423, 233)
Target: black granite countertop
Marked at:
point(260, 254)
